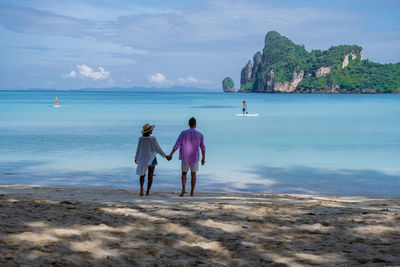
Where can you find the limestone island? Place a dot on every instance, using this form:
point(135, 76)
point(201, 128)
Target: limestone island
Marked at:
point(284, 67)
point(228, 86)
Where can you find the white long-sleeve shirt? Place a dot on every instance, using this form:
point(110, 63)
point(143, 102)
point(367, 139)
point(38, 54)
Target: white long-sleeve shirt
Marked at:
point(146, 151)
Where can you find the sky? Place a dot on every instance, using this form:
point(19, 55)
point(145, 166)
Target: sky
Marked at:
point(56, 44)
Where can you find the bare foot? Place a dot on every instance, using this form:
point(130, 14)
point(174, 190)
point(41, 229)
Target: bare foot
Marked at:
point(182, 194)
point(191, 194)
point(147, 194)
point(141, 192)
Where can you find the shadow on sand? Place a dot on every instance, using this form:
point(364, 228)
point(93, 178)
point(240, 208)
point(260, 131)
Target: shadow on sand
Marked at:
point(210, 229)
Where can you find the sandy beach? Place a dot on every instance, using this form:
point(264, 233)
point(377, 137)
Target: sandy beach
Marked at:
point(111, 227)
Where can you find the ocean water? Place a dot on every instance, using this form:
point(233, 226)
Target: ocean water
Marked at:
point(321, 144)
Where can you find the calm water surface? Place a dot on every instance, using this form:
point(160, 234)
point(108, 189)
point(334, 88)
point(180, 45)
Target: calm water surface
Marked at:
point(328, 144)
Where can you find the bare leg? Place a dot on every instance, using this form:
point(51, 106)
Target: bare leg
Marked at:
point(141, 184)
point(183, 184)
point(150, 179)
point(193, 174)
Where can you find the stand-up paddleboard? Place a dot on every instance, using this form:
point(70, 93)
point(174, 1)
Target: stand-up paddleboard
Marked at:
point(247, 115)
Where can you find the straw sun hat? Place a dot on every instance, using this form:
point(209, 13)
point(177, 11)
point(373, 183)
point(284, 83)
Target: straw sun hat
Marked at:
point(147, 128)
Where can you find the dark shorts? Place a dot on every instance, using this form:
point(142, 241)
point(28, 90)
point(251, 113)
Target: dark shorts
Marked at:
point(154, 163)
point(244, 109)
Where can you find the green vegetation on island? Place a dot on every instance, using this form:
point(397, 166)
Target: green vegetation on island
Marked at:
point(285, 67)
point(228, 85)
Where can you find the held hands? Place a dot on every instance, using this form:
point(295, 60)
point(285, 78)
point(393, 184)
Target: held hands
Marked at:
point(169, 157)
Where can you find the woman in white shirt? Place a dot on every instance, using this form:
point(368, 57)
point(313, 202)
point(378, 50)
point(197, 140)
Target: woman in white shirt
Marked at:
point(145, 157)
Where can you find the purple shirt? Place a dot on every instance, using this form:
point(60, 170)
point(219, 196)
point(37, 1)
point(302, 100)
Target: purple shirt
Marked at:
point(189, 142)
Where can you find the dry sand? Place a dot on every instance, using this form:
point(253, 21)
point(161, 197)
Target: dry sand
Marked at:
point(99, 227)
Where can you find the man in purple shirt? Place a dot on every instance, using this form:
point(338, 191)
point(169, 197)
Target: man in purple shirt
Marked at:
point(189, 142)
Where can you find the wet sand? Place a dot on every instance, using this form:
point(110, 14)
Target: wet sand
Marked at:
point(99, 227)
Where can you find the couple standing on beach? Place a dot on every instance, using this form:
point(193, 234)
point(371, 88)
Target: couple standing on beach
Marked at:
point(188, 143)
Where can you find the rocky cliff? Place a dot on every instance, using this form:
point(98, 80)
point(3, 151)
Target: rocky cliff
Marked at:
point(228, 86)
point(284, 67)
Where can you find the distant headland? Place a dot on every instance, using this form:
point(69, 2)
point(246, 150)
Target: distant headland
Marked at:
point(284, 67)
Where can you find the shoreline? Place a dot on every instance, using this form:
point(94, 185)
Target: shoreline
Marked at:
point(135, 189)
point(115, 227)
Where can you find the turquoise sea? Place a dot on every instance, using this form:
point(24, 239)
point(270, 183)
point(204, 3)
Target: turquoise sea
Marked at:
point(323, 144)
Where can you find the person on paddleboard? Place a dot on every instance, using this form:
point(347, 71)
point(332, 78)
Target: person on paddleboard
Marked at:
point(244, 107)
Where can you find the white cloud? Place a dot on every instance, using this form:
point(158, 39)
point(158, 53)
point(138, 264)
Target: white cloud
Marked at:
point(87, 72)
point(72, 74)
point(188, 79)
point(158, 78)
point(161, 79)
